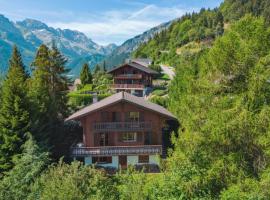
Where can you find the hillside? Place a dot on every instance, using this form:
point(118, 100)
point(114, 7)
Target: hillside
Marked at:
point(201, 28)
point(124, 51)
point(29, 34)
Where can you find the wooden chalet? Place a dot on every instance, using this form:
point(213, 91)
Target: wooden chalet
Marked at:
point(134, 77)
point(122, 130)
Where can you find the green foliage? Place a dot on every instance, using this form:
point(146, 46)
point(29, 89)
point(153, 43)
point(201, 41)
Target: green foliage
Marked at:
point(235, 9)
point(14, 112)
point(200, 27)
point(28, 166)
point(132, 185)
point(162, 101)
point(48, 93)
point(75, 181)
point(224, 110)
point(85, 75)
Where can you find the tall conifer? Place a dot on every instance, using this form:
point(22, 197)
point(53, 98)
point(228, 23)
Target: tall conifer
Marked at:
point(14, 115)
point(85, 75)
point(40, 93)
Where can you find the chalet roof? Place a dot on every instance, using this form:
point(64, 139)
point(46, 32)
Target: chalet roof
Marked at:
point(137, 66)
point(142, 61)
point(121, 97)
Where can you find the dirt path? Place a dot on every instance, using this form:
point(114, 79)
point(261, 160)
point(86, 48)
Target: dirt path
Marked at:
point(168, 70)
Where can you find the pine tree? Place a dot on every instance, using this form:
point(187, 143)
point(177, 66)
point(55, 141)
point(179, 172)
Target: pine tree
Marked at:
point(40, 94)
point(59, 82)
point(85, 75)
point(49, 86)
point(14, 113)
point(104, 66)
point(28, 167)
point(97, 69)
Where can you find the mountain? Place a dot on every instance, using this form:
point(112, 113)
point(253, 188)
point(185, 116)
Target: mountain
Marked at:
point(124, 51)
point(29, 34)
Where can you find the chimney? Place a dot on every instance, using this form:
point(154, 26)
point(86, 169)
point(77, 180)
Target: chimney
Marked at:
point(95, 98)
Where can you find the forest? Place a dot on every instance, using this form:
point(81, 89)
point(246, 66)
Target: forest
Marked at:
point(220, 95)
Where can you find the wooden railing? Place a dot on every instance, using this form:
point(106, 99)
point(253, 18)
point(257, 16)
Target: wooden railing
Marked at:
point(116, 150)
point(128, 76)
point(122, 126)
point(128, 86)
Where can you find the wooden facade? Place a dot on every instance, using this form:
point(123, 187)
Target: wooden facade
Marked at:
point(121, 131)
point(132, 78)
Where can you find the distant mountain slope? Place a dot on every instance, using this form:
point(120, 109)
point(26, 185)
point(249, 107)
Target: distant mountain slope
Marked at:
point(124, 51)
point(29, 34)
point(194, 32)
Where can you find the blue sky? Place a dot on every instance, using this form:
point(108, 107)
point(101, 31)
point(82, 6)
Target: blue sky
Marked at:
point(104, 21)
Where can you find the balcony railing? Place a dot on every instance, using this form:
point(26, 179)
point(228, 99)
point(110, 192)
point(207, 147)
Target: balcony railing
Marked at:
point(128, 86)
point(122, 126)
point(116, 150)
point(128, 76)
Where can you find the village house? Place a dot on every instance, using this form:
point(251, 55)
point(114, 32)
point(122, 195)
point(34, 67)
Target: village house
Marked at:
point(122, 130)
point(134, 77)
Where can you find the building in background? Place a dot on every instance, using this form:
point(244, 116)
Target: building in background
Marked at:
point(134, 77)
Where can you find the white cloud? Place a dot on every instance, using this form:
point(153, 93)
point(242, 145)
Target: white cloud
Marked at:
point(118, 26)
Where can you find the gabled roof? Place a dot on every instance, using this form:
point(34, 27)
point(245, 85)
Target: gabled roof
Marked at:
point(137, 66)
point(142, 61)
point(121, 97)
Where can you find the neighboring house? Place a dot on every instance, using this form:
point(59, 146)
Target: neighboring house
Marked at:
point(133, 78)
point(122, 130)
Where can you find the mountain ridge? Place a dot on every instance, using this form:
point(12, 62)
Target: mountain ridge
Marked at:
point(29, 34)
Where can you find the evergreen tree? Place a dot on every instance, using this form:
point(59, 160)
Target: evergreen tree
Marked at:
point(59, 82)
point(14, 115)
point(28, 167)
point(40, 94)
point(104, 66)
point(85, 75)
point(97, 69)
point(49, 86)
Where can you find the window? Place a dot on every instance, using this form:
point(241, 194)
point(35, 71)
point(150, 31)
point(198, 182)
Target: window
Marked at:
point(102, 160)
point(134, 116)
point(143, 159)
point(129, 137)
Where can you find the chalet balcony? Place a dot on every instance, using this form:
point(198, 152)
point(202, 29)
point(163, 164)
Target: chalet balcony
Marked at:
point(129, 76)
point(116, 150)
point(128, 86)
point(122, 126)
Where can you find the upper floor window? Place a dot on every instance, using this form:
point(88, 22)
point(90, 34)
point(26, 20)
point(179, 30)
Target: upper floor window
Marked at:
point(134, 116)
point(129, 137)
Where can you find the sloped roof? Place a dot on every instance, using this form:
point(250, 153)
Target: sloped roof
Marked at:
point(142, 61)
point(137, 66)
point(121, 97)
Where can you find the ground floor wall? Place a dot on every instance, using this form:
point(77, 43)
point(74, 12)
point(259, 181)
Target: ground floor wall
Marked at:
point(115, 162)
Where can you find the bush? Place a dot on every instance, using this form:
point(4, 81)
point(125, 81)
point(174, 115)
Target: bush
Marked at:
point(75, 181)
point(162, 101)
point(159, 92)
